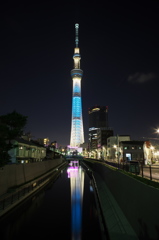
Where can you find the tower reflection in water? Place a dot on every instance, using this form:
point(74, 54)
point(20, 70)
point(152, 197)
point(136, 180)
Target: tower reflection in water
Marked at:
point(76, 175)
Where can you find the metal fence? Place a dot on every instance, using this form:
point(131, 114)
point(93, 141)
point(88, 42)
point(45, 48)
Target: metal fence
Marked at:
point(12, 198)
point(9, 199)
point(146, 171)
point(151, 172)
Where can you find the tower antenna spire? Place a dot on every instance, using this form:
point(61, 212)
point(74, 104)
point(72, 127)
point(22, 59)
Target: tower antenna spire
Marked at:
point(76, 34)
point(77, 133)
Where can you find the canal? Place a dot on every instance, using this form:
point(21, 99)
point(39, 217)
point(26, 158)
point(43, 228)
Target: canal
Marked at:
point(65, 209)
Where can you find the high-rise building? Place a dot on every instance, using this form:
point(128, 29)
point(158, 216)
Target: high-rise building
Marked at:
point(99, 129)
point(44, 141)
point(77, 132)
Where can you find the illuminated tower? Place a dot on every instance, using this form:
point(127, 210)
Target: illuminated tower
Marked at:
point(77, 133)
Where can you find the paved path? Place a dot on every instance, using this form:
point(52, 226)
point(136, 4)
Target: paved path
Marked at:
point(117, 224)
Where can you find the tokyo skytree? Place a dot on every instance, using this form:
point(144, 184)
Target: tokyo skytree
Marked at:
point(77, 132)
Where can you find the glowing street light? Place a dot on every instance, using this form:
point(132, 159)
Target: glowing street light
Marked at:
point(115, 150)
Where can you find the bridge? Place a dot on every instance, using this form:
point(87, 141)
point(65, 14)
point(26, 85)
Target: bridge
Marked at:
point(81, 199)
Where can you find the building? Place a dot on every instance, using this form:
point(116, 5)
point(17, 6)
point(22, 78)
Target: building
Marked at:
point(54, 144)
point(113, 146)
point(99, 129)
point(102, 135)
point(121, 149)
point(77, 132)
point(44, 141)
point(132, 150)
point(84, 147)
point(151, 152)
point(26, 151)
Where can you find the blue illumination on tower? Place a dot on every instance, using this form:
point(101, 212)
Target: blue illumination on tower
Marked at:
point(77, 133)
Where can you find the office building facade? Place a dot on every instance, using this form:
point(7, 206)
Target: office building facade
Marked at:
point(99, 129)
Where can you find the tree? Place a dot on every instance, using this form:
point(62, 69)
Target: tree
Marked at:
point(11, 126)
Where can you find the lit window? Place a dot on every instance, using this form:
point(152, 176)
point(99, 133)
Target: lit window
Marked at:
point(95, 109)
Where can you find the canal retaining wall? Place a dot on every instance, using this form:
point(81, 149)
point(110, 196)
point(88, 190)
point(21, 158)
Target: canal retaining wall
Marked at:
point(17, 174)
point(138, 201)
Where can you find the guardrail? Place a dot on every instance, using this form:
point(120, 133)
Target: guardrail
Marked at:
point(11, 198)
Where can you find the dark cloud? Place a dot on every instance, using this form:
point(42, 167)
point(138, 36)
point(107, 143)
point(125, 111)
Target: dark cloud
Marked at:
point(141, 77)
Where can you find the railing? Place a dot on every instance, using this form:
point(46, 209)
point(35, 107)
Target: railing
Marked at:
point(150, 171)
point(9, 199)
point(69, 157)
point(14, 197)
point(146, 171)
point(24, 191)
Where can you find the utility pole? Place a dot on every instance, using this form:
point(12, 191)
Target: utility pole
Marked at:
point(118, 149)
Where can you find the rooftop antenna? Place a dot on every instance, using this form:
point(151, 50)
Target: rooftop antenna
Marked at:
point(76, 34)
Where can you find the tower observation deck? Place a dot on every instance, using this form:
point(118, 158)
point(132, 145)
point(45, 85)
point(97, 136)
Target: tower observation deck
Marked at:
point(77, 133)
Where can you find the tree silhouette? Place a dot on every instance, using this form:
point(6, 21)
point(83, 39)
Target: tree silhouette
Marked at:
point(11, 126)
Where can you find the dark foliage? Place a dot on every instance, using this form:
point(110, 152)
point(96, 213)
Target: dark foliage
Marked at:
point(11, 126)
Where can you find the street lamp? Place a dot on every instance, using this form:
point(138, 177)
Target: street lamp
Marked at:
point(117, 153)
point(115, 146)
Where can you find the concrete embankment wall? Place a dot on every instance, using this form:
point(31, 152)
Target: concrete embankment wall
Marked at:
point(17, 174)
point(139, 202)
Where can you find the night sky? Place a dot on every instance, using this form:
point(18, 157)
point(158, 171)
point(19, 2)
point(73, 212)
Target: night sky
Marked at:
point(119, 45)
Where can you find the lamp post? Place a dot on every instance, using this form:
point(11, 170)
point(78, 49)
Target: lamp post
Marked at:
point(117, 149)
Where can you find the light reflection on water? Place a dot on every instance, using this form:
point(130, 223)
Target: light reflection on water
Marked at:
point(65, 208)
point(76, 175)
